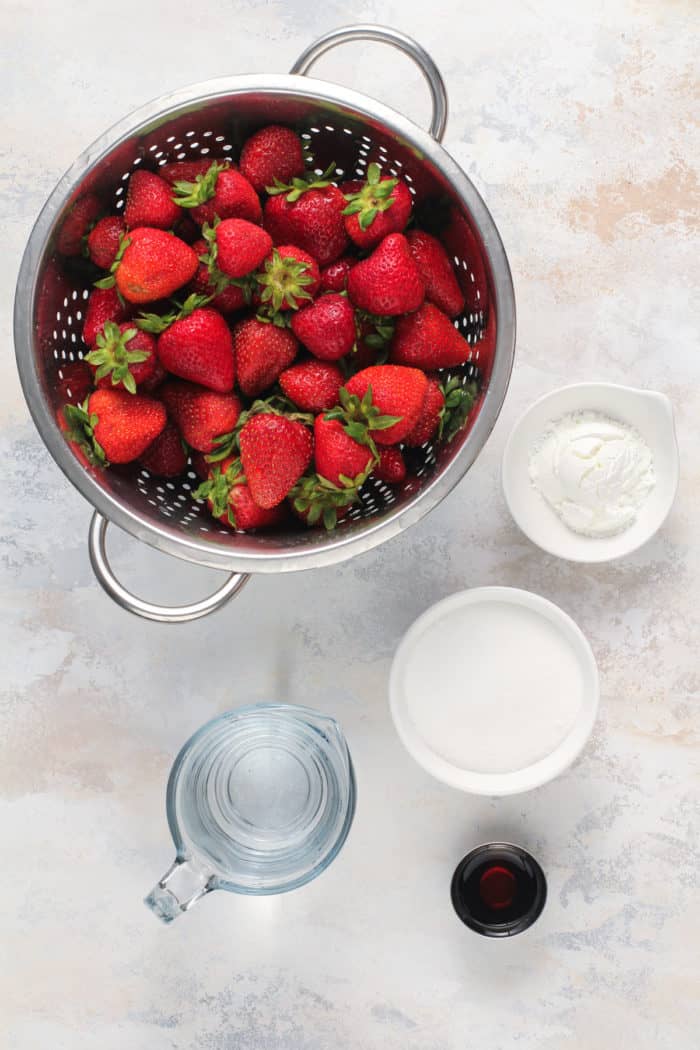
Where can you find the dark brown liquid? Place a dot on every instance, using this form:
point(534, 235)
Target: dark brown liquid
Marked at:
point(498, 890)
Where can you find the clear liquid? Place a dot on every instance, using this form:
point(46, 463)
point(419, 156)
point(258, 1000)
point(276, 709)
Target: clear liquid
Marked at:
point(264, 796)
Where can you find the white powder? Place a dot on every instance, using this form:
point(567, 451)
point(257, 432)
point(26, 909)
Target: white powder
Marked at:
point(595, 472)
point(493, 687)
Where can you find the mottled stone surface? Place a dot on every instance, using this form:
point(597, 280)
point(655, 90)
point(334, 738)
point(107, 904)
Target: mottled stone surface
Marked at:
point(579, 124)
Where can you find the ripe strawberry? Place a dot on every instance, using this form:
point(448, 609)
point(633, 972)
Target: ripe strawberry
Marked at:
point(158, 376)
point(123, 424)
point(123, 357)
point(75, 434)
point(202, 416)
point(275, 452)
point(326, 327)
point(381, 206)
point(209, 281)
point(310, 214)
point(262, 351)
point(104, 239)
point(149, 202)
point(77, 224)
point(441, 285)
point(166, 456)
point(396, 392)
point(187, 230)
point(188, 170)
point(241, 246)
point(313, 386)
point(151, 264)
point(222, 192)
point(388, 282)
point(289, 274)
point(337, 455)
point(430, 415)
point(75, 382)
point(274, 153)
point(199, 347)
point(200, 463)
point(428, 339)
point(391, 466)
point(459, 240)
point(335, 277)
point(230, 501)
point(318, 501)
point(104, 304)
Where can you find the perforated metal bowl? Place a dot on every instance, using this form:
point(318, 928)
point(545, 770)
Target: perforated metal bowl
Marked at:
point(214, 118)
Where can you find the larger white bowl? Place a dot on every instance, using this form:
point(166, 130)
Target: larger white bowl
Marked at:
point(648, 412)
point(494, 647)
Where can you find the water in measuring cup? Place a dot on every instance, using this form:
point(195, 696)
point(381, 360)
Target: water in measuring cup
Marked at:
point(263, 796)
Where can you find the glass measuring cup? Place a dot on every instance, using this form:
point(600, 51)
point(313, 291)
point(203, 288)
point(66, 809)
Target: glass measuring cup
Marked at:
point(259, 800)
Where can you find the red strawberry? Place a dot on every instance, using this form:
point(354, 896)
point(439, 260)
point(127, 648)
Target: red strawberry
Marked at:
point(230, 501)
point(391, 466)
point(149, 202)
point(124, 424)
point(210, 281)
point(460, 241)
point(75, 434)
point(388, 282)
point(313, 386)
point(381, 206)
point(315, 518)
point(200, 463)
point(430, 415)
point(199, 347)
point(336, 454)
point(441, 285)
point(153, 382)
point(77, 223)
point(166, 456)
point(428, 339)
point(123, 357)
point(103, 241)
point(275, 452)
point(222, 192)
point(272, 153)
point(318, 501)
point(200, 415)
point(241, 247)
point(187, 230)
point(261, 352)
point(188, 170)
point(103, 305)
point(397, 392)
point(310, 215)
point(335, 277)
point(326, 327)
point(289, 275)
point(75, 382)
point(154, 264)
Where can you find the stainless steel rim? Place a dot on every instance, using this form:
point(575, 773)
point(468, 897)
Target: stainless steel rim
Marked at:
point(345, 544)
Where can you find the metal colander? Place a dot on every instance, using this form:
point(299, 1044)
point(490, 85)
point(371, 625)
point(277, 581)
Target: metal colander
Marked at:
point(214, 119)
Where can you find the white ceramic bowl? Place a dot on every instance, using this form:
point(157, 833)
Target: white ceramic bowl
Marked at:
point(418, 643)
point(649, 412)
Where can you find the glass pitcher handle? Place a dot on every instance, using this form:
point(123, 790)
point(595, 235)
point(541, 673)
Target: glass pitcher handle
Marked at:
point(183, 884)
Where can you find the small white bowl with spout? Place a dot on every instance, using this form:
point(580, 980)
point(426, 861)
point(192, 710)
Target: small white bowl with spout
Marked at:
point(649, 412)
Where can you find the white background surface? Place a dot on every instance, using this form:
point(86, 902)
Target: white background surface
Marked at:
point(579, 125)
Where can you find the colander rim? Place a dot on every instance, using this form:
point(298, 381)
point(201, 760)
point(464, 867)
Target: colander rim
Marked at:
point(345, 543)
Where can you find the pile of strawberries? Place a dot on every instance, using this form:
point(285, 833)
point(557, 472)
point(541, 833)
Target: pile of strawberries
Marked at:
point(279, 331)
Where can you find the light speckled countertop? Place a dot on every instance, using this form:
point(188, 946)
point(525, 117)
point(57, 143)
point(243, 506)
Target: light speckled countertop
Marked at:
point(581, 132)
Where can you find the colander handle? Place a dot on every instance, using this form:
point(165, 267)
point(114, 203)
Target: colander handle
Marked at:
point(147, 610)
point(384, 35)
